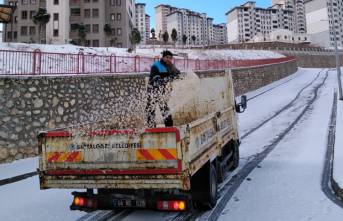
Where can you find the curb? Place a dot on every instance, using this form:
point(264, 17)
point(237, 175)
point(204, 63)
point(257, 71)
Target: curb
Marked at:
point(338, 190)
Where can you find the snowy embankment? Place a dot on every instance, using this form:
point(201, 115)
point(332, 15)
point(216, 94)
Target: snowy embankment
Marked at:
point(192, 54)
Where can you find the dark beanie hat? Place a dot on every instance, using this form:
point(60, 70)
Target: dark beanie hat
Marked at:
point(166, 53)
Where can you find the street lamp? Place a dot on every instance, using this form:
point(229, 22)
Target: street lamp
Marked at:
point(153, 39)
point(338, 68)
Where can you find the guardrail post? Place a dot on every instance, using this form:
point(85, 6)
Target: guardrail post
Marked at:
point(184, 64)
point(80, 62)
point(137, 62)
point(111, 70)
point(115, 62)
point(37, 61)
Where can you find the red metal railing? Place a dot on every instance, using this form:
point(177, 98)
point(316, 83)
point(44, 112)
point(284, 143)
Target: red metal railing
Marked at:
point(46, 63)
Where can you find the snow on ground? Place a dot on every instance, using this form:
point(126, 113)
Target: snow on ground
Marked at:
point(288, 184)
point(25, 201)
point(18, 167)
point(193, 54)
point(282, 95)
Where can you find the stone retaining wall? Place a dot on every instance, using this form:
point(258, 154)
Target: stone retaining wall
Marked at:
point(249, 79)
point(31, 104)
point(315, 61)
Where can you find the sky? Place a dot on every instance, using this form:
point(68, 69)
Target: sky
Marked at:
point(215, 9)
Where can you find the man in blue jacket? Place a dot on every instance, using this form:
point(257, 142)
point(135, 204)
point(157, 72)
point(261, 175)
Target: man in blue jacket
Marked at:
point(162, 72)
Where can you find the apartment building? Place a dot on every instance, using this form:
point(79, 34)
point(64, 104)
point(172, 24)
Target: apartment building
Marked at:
point(323, 20)
point(219, 34)
point(67, 16)
point(147, 26)
point(57, 30)
point(298, 7)
point(196, 26)
point(161, 12)
point(246, 21)
point(140, 20)
point(22, 28)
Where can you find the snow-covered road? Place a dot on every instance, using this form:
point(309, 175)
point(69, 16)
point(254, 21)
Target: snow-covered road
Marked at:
point(286, 185)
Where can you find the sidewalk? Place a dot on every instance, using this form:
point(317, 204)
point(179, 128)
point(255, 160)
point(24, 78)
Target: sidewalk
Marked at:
point(337, 173)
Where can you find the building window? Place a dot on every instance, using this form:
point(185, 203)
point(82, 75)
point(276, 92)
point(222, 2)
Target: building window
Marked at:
point(119, 32)
point(75, 12)
point(74, 27)
point(55, 2)
point(55, 16)
point(23, 30)
point(9, 35)
point(87, 13)
point(96, 28)
point(118, 16)
point(24, 2)
point(113, 2)
point(55, 33)
point(95, 13)
point(33, 2)
point(32, 30)
point(32, 13)
point(88, 28)
point(119, 45)
point(113, 17)
point(96, 43)
point(118, 2)
point(23, 14)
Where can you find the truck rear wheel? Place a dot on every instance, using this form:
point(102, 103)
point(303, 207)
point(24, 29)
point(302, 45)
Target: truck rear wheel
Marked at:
point(235, 155)
point(205, 198)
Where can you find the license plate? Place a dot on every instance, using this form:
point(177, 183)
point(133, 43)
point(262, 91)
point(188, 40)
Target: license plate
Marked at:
point(129, 203)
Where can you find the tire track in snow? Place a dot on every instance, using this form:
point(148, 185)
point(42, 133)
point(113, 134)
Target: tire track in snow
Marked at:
point(284, 108)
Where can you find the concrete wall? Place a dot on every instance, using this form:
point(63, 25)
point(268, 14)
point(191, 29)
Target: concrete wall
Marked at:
point(31, 104)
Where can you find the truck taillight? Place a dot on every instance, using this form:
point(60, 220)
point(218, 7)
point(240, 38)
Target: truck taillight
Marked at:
point(175, 205)
point(84, 202)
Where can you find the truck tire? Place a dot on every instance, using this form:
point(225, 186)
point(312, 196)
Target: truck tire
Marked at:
point(205, 194)
point(235, 156)
point(220, 168)
point(213, 188)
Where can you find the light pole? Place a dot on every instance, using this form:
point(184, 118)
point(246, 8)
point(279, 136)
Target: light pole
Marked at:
point(338, 68)
point(153, 39)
